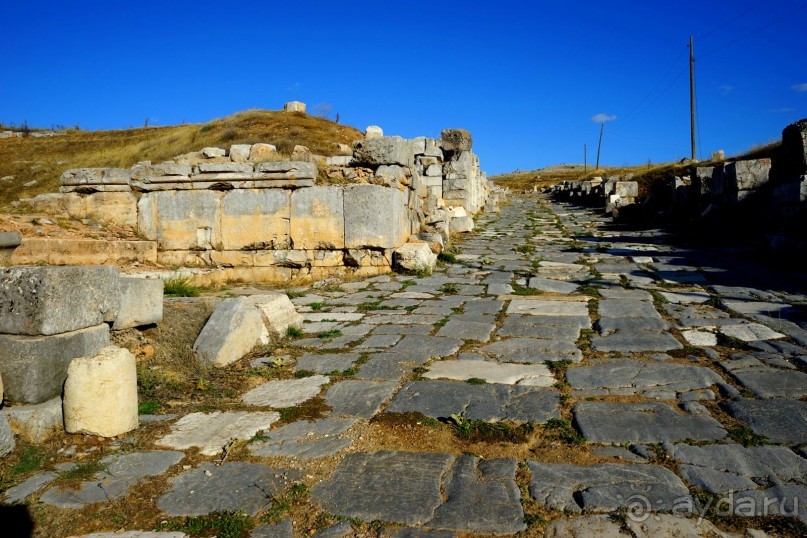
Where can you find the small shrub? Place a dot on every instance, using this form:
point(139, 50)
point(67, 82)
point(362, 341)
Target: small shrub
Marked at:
point(148, 407)
point(294, 332)
point(229, 135)
point(446, 257)
point(181, 287)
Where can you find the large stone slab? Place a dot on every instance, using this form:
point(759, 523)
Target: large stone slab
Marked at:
point(626, 377)
point(780, 420)
point(481, 497)
point(367, 226)
point(52, 300)
point(626, 308)
point(374, 152)
point(141, 302)
point(285, 393)
point(422, 348)
point(773, 383)
point(358, 398)
point(467, 330)
point(212, 432)
point(490, 402)
point(247, 487)
point(636, 341)
point(613, 422)
point(234, 328)
point(719, 469)
point(36, 423)
point(34, 368)
point(119, 474)
point(326, 363)
point(181, 220)
point(509, 374)
point(306, 440)
point(750, 332)
point(278, 312)
point(607, 487)
point(533, 350)
point(318, 218)
point(254, 219)
point(536, 307)
point(401, 487)
point(553, 286)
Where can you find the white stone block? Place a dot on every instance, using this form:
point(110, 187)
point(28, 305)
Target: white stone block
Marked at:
point(235, 327)
point(100, 394)
point(373, 131)
point(277, 311)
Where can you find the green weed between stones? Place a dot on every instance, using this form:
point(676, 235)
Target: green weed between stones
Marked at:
point(746, 436)
point(333, 333)
point(476, 381)
point(714, 508)
point(446, 257)
point(29, 459)
point(180, 287)
point(230, 524)
point(296, 495)
point(479, 431)
point(294, 294)
point(449, 288)
point(149, 407)
point(294, 332)
point(561, 429)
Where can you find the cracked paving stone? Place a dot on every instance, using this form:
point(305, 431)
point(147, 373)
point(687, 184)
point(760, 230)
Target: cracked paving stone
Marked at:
point(610, 325)
point(553, 286)
point(379, 341)
point(248, 487)
point(536, 375)
point(306, 440)
point(629, 294)
point(607, 487)
point(635, 341)
point(400, 487)
point(119, 474)
point(536, 307)
point(357, 398)
point(467, 330)
point(533, 350)
point(285, 393)
point(211, 432)
point(483, 306)
point(326, 363)
point(779, 420)
point(722, 468)
point(482, 497)
point(651, 422)
point(767, 382)
point(490, 402)
point(750, 332)
point(416, 347)
point(626, 377)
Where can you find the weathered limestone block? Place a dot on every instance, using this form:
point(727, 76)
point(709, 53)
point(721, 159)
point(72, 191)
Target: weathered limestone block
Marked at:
point(241, 169)
point(434, 240)
point(434, 148)
point(39, 250)
point(318, 218)
point(100, 393)
point(286, 170)
point(256, 219)
point(383, 150)
point(746, 175)
point(7, 444)
point(35, 367)
point(461, 224)
point(52, 300)
point(180, 220)
point(277, 311)
point(212, 153)
point(96, 176)
point(375, 217)
point(261, 152)
point(456, 140)
point(626, 189)
point(239, 153)
point(141, 302)
point(234, 328)
point(373, 131)
point(35, 423)
point(414, 257)
point(116, 208)
point(149, 172)
point(294, 106)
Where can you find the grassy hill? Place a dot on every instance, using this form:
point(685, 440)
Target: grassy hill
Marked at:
point(44, 159)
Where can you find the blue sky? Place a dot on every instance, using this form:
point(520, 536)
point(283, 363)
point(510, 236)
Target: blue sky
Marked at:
point(525, 77)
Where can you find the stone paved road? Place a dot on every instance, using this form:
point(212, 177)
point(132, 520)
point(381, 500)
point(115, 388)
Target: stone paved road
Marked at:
point(681, 373)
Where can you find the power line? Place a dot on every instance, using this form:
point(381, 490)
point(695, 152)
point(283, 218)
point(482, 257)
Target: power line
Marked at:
point(729, 21)
point(752, 32)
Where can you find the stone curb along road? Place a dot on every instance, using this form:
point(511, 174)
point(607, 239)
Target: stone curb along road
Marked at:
point(591, 334)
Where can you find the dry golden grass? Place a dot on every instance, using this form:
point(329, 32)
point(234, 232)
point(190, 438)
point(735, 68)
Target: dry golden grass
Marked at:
point(44, 159)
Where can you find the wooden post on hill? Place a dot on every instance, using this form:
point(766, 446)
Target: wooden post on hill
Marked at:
point(585, 162)
point(692, 93)
point(599, 145)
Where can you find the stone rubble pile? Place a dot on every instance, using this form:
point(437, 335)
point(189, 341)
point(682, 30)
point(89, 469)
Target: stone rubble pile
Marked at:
point(246, 207)
point(615, 195)
point(52, 320)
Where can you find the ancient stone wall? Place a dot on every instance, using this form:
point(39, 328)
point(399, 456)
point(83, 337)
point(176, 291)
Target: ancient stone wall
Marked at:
point(245, 207)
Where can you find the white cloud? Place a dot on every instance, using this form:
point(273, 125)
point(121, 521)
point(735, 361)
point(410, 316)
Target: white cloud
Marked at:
point(603, 117)
point(800, 87)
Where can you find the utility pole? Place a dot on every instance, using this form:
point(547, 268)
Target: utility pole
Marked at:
point(692, 93)
point(599, 144)
point(585, 161)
